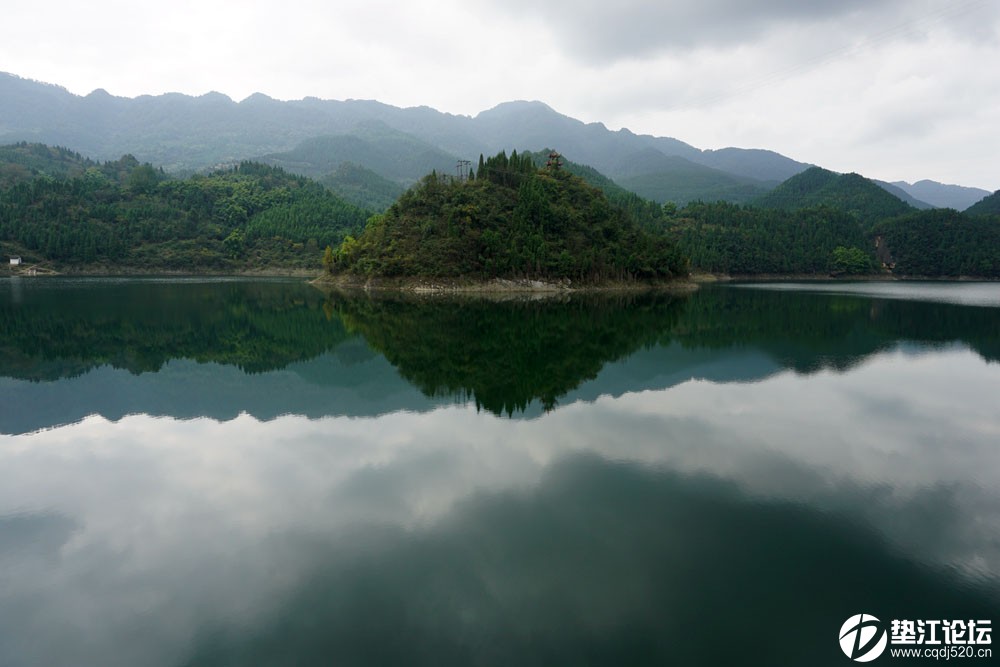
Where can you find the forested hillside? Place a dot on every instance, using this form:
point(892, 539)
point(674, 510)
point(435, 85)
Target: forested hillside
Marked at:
point(733, 239)
point(942, 242)
point(23, 161)
point(123, 214)
point(512, 220)
point(392, 154)
point(820, 222)
point(362, 187)
point(670, 178)
point(850, 193)
point(989, 205)
point(647, 213)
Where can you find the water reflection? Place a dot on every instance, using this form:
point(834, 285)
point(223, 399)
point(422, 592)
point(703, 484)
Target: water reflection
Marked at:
point(630, 530)
point(229, 473)
point(62, 328)
point(507, 354)
point(967, 294)
point(220, 348)
point(604, 563)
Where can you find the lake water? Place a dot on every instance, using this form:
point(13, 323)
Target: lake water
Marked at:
point(228, 472)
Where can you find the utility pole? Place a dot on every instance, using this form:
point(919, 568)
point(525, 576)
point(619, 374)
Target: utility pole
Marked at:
point(462, 169)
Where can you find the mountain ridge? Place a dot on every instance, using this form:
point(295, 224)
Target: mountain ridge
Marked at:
point(184, 133)
point(863, 198)
point(988, 205)
point(943, 195)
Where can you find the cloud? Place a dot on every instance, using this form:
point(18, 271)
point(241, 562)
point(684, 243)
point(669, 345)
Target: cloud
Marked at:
point(175, 534)
point(596, 31)
point(812, 79)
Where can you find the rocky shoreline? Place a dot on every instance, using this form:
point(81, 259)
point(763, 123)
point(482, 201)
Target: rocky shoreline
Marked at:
point(493, 286)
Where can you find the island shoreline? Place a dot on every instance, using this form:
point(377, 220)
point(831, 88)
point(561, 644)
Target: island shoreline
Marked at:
point(430, 284)
point(344, 282)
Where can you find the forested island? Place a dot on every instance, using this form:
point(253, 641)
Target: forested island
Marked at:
point(508, 219)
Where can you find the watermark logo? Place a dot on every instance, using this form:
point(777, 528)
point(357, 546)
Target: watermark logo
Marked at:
point(863, 638)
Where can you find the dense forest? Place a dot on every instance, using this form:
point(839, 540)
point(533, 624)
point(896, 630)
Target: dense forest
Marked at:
point(58, 207)
point(989, 205)
point(745, 240)
point(733, 239)
point(362, 187)
point(942, 242)
point(647, 213)
point(851, 193)
point(820, 222)
point(508, 220)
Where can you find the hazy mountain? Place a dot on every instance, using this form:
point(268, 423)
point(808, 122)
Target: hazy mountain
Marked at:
point(752, 163)
point(584, 171)
point(941, 195)
point(664, 178)
point(372, 144)
point(660, 178)
point(180, 132)
point(620, 153)
point(989, 205)
point(532, 125)
point(852, 193)
point(902, 194)
point(362, 187)
point(185, 133)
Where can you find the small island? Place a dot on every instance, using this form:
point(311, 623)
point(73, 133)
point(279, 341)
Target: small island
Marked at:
point(507, 223)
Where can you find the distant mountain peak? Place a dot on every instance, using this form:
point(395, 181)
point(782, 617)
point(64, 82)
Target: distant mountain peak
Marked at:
point(943, 195)
point(257, 98)
point(184, 132)
point(516, 106)
point(852, 192)
point(215, 96)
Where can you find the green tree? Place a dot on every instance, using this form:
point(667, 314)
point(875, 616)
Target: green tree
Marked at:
point(234, 243)
point(513, 221)
point(850, 260)
point(328, 259)
point(143, 179)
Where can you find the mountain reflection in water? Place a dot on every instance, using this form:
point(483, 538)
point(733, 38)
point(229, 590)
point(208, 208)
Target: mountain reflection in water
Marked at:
point(225, 472)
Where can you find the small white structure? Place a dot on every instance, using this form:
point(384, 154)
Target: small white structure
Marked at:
point(15, 261)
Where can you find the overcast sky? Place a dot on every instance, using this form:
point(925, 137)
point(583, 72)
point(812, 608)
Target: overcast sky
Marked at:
point(893, 89)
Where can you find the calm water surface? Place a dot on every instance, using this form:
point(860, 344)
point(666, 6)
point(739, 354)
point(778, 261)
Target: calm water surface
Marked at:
point(224, 472)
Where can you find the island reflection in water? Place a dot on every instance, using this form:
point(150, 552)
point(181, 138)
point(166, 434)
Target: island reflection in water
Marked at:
point(690, 468)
